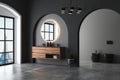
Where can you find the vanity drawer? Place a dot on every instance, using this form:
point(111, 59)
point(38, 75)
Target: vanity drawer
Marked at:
point(38, 55)
point(53, 50)
point(38, 50)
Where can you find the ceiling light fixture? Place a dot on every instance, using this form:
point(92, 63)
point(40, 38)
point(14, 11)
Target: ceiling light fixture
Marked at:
point(71, 9)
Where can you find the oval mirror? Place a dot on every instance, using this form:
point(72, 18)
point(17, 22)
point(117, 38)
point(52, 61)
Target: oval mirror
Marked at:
point(50, 30)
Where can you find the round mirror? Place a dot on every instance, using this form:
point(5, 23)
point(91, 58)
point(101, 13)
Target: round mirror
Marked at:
point(50, 30)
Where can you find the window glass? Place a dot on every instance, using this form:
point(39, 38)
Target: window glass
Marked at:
point(46, 27)
point(46, 36)
point(9, 46)
point(9, 34)
point(1, 58)
point(51, 28)
point(9, 58)
point(1, 34)
point(9, 23)
point(1, 22)
point(1, 46)
point(51, 36)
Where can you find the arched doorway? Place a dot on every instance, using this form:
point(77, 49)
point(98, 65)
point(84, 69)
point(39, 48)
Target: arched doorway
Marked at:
point(6, 10)
point(96, 29)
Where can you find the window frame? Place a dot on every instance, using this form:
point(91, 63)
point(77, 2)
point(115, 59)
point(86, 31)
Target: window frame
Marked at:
point(49, 32)
point(5, 40)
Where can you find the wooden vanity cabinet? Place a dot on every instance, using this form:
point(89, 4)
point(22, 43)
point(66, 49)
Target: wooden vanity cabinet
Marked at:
point(48, 52)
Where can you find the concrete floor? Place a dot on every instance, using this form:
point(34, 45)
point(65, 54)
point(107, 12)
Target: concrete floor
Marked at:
point(96, 71)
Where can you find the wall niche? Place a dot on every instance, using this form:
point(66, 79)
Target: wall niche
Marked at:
point(61, 41)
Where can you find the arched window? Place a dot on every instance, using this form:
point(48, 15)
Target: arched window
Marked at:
point(6, 40)
point(10, 35)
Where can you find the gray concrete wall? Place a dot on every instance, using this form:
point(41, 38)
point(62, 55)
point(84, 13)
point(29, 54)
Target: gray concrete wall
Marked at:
point(40, 8)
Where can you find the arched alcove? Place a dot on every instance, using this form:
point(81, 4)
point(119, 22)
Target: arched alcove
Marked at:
point(62, 39)
point(7, 10)
point(96, 29)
